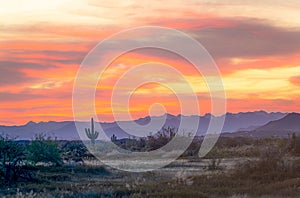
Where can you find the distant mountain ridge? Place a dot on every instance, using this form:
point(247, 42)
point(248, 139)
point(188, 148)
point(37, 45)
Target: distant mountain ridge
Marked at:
point(66, 130)
point(288, 124)
point(282, 128)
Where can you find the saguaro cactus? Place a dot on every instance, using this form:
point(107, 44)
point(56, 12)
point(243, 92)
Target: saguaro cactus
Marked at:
point(113, 138)
point(91, 133)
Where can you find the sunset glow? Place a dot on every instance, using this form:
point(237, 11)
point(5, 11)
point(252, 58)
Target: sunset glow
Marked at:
point(42, 44)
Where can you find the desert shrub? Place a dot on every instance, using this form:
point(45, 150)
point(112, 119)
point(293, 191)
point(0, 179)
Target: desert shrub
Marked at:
point(74, 151)
point(12, 164)
point(102, 147)
point(235, 142)
point(160, 139)
point(132, 144)
point(149, 143)
point(217, 152)
point(270, 166)
point(193, 149)
point(44, 150)
point(295, 145)
point(245, 147)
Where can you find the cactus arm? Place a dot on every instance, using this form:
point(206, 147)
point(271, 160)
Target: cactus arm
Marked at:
point(91, 133)
point(97, 134)
point(88, 132)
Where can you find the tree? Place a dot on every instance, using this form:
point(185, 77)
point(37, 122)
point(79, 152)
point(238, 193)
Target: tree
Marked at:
point(44, 150)
point(11, 159)
point(91, 133)
point(161, 138)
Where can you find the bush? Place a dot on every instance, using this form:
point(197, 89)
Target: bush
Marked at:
point(74, 151)
point(12, 165)
point(44, 150)
point(295, 144)
point(160, 139)
point(271, 166)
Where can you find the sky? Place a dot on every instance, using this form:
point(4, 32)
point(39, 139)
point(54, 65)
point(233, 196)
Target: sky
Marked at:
point(255, 44)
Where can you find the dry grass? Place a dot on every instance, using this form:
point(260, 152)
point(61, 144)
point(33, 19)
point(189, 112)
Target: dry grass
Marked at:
point(272, 172)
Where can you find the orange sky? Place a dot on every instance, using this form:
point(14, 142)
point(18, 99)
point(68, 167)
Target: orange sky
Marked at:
point(256, 46)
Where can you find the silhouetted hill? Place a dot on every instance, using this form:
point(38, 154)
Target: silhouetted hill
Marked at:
point(283, 128)
point(248, 121)
point(67, 130)
point(289, 123)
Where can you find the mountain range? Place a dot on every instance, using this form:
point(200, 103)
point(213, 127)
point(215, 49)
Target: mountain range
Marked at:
point(254, 124)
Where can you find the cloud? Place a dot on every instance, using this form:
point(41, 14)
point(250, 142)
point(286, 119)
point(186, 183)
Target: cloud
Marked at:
point(69, 33)
point(12, 97)
point(9, 77)
point(27, 64)
point(39, 60)
point(248, 38)
point(295, 80)
point(11, 72)
point(17, 65)
point(235, 43)
point(271, 105)
point(42, 55)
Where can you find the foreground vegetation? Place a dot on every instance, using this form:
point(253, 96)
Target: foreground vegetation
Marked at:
point(240, 167)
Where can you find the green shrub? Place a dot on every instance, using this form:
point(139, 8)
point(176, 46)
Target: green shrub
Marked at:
point(74, 151)
point(11, 160)
point(44, 150)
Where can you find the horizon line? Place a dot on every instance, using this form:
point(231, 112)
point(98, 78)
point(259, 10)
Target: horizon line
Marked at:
point(255, 111)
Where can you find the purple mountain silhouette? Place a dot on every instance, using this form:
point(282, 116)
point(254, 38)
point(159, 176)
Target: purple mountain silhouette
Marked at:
point(67, 130)
point(282, 127)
